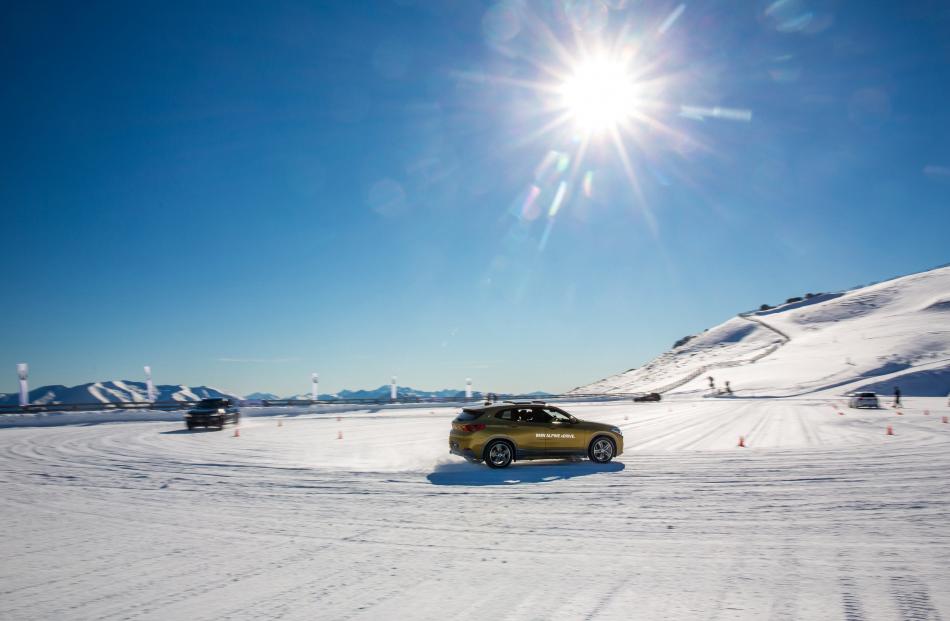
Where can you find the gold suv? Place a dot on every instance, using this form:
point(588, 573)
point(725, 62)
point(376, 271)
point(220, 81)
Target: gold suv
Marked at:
point(500, 433)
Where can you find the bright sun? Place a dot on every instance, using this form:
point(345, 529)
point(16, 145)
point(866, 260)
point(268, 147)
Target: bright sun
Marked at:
point(599, 95)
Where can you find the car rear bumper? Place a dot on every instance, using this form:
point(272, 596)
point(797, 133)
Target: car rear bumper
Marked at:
point(464, 445)
point(466, 453)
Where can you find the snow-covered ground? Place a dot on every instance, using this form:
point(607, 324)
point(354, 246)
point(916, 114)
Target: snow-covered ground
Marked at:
point(823, 516)
point(894, 333)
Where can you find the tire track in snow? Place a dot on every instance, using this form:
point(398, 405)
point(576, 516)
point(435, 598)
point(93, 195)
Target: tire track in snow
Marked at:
point(913, 598)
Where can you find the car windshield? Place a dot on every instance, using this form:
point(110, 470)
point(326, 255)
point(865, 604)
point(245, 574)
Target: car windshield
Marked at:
point(211, 403)
point(559, 416)
point(867, 394)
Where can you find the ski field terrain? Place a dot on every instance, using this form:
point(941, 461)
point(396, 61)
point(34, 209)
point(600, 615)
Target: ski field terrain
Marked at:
point(364, 515)
point(894, 333)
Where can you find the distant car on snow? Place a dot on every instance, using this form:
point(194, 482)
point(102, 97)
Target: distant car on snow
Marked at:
point(650, 396)
point(212, 413)
point(864, 400)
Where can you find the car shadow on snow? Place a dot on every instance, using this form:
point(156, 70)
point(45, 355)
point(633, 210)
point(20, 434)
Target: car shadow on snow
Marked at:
point(178, 432)
point(530, 472)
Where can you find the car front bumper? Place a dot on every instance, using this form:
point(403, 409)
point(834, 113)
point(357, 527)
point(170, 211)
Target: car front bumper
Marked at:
point(205, 420)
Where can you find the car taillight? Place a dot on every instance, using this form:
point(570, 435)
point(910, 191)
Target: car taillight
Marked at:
point(471, 428)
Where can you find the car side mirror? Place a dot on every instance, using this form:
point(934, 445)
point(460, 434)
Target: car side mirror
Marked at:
point(573, 420)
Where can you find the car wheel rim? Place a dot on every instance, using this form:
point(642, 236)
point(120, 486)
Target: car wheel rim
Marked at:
point(500, 453)
point(603, 450)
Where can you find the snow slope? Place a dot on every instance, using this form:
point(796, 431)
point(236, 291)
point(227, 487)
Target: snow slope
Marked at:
point(822, 517)
point(895, 333)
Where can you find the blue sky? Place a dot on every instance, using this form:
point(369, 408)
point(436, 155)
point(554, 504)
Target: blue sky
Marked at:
point(242, 193)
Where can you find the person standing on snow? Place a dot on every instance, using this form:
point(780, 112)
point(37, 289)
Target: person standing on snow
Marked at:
point(897, 396)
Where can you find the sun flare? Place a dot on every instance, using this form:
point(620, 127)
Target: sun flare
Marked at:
point(599, 87)
point(599, 95)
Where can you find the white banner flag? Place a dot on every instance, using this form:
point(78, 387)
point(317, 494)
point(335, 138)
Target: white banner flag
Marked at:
point(23, 372)
point(149, 386)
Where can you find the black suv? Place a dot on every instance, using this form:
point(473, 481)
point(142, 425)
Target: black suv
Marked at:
point(212, 413)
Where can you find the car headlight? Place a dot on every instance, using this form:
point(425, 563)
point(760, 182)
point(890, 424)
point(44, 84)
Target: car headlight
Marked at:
point(617, 431)
point(220, 410)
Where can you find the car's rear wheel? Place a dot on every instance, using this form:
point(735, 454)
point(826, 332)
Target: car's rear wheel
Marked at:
point(499, 454)
point(601, 450)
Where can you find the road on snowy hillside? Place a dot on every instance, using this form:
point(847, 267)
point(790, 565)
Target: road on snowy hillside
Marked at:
point(823, 516)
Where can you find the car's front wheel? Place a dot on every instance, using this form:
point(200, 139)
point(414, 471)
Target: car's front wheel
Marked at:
point(601, 450)
point(499, 454)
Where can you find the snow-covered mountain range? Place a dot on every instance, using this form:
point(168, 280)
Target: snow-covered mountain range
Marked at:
point(893, 333)
point(126, 390)
point(113, 391)
point(405, 392)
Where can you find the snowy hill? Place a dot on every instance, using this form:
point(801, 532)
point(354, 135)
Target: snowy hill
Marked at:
point(113, 391)
point(894, 333)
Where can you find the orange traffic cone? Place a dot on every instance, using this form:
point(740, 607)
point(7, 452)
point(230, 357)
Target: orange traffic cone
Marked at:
point(339, 435)
point(890, 430)
point(944, 420)
point(237, 433)
point(926, 412)
point(742, 441)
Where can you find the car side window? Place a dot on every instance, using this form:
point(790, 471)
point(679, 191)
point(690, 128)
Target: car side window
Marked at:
point(540, 416)
point(504, 415)
point(523, 415)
